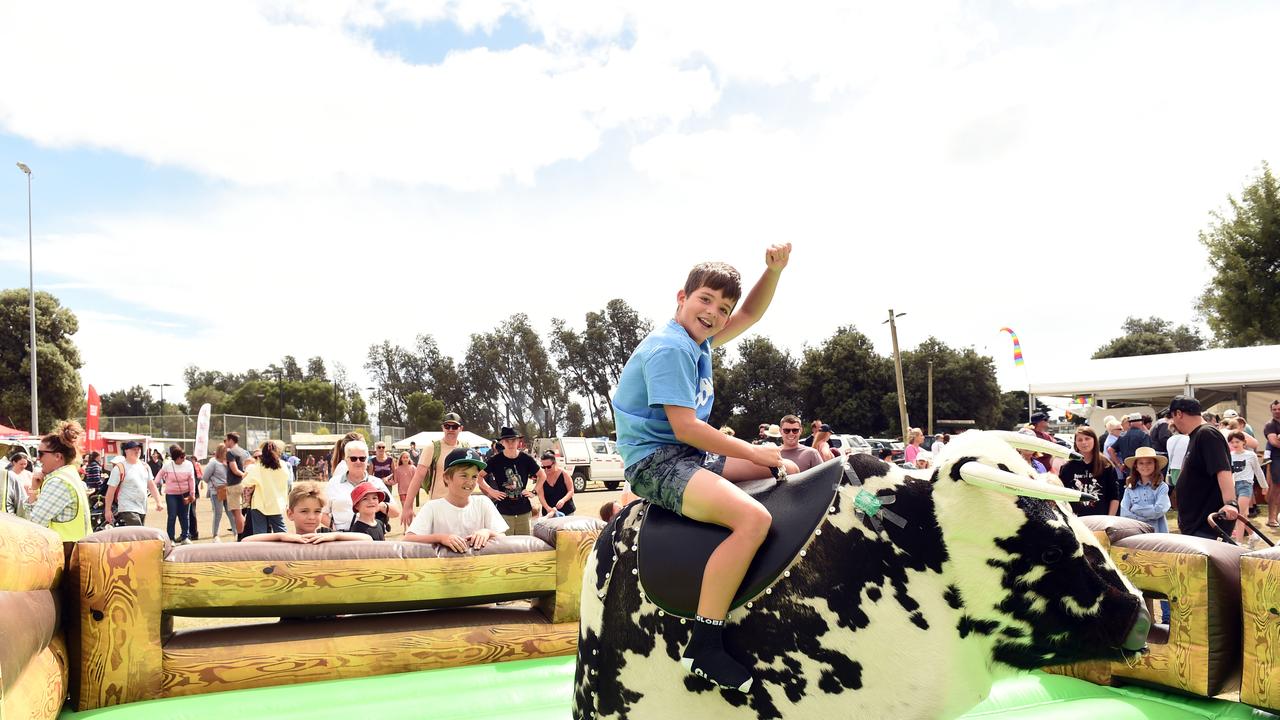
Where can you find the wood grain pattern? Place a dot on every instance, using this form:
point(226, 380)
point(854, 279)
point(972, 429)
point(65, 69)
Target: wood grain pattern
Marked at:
point(1183, 663)
point(1105, 541)
point(1260, 600)
point(120, 611)
point(572, 550)
point(1097, 672)
point(41, 689)
point(31, 557)
point(354, 582)
point(211, 669)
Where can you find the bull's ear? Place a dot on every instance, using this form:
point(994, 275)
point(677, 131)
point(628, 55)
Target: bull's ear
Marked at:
point(979, 475)
point(1022, 441)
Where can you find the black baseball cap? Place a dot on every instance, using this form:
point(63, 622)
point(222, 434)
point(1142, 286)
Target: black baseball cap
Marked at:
point(1039, 417)
point(1188, 405)
point(130, 444)
point(464, 456)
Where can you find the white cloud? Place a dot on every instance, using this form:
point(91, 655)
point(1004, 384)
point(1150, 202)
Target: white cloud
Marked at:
point(934, 160)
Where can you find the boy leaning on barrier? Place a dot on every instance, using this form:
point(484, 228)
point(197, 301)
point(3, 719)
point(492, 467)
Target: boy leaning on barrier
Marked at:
point(460, 520)
point(306, 508)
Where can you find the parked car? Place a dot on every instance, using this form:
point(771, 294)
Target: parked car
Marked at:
point(878, 444)
point(587, 460)
point(851, 444)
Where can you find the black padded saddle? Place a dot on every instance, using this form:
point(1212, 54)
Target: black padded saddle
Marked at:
point(674, 550)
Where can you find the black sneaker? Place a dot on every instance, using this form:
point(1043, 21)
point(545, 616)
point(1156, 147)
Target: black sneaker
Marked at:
point(717, 666)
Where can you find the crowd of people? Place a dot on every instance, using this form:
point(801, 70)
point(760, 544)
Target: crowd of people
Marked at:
point(470, 497)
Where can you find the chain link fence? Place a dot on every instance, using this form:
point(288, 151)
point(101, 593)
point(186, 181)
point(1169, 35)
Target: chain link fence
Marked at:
point(253, 430)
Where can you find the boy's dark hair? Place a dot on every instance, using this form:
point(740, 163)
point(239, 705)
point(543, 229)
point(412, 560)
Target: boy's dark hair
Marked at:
point(1237, 435)
point(234, 437)
point(717, 276)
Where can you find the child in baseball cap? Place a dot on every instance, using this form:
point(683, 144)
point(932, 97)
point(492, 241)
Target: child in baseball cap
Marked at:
point(460, 521)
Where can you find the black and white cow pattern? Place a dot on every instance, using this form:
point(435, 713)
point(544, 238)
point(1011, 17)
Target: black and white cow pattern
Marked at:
point(908, 622)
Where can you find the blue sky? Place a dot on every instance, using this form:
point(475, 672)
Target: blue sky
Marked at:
point(225, 183)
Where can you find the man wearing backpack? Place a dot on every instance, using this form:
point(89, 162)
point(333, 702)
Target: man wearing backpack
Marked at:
point(431, 466)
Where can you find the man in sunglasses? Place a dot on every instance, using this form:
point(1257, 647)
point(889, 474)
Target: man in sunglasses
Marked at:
point(431, 465)
point(803, 457)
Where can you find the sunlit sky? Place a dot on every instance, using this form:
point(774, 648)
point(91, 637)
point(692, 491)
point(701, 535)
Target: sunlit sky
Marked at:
point(224, 184)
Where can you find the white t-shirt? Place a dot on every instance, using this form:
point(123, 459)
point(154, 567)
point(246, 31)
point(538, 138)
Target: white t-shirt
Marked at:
point(441, 516)
point(340, 499)
point(132, 493)
point(1177, 450)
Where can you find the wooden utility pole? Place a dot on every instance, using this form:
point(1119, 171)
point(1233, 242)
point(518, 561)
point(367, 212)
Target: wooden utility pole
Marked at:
point(897, 368)
point(930, 398)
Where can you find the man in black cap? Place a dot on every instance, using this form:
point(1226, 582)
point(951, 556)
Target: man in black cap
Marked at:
point(506, 482)
point(1205, 486)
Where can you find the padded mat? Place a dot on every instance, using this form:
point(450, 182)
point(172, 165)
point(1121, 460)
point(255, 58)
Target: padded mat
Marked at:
point(542, 690)
point(674, 550)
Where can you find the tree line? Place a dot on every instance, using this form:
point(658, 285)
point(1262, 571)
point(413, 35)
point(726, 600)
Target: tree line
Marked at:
point(563, 379)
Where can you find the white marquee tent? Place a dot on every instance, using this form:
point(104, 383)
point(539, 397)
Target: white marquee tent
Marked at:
point(1246, 378)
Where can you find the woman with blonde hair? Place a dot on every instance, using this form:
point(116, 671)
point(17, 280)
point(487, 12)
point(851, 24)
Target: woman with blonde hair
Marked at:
point(913, 447)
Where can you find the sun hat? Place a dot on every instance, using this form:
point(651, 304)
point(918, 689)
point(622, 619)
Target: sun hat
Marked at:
point(1228, 414)
point(1146, 452)
point(1134, 417)
point(508, 433)
point(774, 432)
point(359, 492)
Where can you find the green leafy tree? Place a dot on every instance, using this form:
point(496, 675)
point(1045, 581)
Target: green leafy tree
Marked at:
point(61, 395)
point(763, 384)
point(581, 375)
point(844, 382)
point(573, 419)
point(136, 400)
point(424, 412)
point(1242, 301)
point(728, 402)
point(964, 386)
point(1152, 336)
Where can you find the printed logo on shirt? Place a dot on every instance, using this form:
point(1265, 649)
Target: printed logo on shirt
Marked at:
point(1087, 483)
point(1238, 466)
point(705, 391)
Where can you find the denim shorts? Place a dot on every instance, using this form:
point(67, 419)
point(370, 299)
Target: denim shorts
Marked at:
point(662, 477)
point(1244, 488)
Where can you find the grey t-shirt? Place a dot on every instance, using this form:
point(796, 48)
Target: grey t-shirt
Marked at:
point(132, 493)
point(803, 457)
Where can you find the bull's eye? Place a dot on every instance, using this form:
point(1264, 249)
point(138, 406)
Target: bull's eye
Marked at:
point(1051, 556)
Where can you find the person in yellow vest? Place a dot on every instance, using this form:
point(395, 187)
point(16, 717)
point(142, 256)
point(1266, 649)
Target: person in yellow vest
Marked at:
point(62, 504)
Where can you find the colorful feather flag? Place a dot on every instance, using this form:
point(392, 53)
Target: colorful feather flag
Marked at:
point(1017, 346)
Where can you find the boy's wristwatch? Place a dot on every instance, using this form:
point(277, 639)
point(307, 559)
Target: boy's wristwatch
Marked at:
point(1232, 503)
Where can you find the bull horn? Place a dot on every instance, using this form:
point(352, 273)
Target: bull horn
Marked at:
point(983, 476)
point(1022, 441)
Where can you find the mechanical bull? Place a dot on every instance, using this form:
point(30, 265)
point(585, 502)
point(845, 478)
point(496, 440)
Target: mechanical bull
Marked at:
point(908, 594)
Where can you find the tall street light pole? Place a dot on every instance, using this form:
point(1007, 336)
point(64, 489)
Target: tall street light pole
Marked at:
point(162, 386)
point(897, 370)
point(374, 397)
point(31, 282)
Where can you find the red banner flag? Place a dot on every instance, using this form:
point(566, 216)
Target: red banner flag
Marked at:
point(93, 441)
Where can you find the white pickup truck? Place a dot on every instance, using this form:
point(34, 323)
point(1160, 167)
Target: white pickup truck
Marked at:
point(588, 460)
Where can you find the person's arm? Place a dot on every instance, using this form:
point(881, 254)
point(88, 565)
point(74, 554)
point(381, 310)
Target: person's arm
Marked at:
point(274, 537)
point(1274, 439)
point(568, 486)
point(1126, 504)
point(1116, 489)
point(690, 430)
point(757, 301)
point(419, 474)
point(540, 487)
point(1258, 475)
point(540, 478)
point(317, 538)
point(1162, 504)
point(1250, 442)
point(155, 494)
point(112, 491)
point(489, 491)
point(233, 467)
point(51, 503)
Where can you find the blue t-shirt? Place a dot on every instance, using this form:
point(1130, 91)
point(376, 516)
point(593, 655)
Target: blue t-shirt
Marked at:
point(667, 368)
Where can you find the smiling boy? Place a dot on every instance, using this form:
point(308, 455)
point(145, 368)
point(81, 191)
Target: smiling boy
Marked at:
point(461, 519)
point(674, 459)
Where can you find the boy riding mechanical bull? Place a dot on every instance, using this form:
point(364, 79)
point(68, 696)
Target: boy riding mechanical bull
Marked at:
point(837, 585)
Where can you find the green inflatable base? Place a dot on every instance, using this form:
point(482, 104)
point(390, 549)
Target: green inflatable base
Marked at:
point(541, 690)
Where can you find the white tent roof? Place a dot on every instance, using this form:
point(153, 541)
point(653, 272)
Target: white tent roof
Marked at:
point(1146, 377)
point(426, 438)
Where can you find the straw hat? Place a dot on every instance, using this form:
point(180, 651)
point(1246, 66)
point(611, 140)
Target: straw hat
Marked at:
point(1146, 452)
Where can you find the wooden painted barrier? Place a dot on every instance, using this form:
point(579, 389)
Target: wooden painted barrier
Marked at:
point(1260, 610)
point(129, 582)
point(33, 654)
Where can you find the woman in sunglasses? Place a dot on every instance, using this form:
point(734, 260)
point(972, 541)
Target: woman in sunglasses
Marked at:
point(340, 512)
point(62, 505)
point(555, 490)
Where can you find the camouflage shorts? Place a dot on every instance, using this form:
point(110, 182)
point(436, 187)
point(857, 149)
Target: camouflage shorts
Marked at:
point(662, 477)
